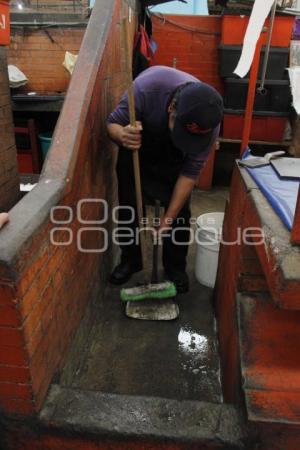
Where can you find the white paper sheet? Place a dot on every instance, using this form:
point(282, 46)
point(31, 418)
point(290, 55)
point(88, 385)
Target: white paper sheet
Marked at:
point(27, 187)
point(294, 73)
point(260, 11)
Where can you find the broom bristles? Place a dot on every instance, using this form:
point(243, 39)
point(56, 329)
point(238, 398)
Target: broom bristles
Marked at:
point(167, 289)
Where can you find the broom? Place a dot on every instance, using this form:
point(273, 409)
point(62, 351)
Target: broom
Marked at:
point(148, 290)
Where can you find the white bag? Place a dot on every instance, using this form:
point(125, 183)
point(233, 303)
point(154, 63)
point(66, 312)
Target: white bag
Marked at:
point(16, 77)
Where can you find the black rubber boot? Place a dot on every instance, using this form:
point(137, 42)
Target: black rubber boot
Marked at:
point(180, 279)
point(124, 271)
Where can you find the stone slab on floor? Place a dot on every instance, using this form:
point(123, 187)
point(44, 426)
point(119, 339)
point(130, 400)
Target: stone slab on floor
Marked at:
point(118, 416)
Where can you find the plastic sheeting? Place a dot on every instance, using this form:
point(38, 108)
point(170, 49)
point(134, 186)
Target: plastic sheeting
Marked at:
point(16, 77)
point(282, 193)
point(70, 61)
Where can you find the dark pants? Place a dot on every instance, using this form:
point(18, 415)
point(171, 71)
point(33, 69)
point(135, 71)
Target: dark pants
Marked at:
point(160, 165)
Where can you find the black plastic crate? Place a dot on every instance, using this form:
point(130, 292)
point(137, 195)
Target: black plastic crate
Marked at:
point(275, 97)
point(229, 56)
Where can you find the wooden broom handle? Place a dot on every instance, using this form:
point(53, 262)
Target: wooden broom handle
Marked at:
point(135, 154)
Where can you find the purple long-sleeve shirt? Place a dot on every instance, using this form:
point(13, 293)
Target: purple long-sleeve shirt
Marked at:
point(153, 90)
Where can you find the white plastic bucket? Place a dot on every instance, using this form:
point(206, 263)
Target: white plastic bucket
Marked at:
point(208, 237)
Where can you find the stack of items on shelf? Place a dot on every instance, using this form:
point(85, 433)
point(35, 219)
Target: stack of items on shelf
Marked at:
point(272, 104)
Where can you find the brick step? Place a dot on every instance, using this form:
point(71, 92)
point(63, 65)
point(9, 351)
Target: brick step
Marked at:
point(270, 364)
point(139, 423)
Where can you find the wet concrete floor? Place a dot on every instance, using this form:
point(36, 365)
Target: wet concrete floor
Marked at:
point(176, 360)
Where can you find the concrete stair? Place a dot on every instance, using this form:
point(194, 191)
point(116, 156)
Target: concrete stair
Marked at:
point(129, 422)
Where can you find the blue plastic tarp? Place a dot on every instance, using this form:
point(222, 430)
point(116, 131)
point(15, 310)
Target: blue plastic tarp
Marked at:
point(282, 193)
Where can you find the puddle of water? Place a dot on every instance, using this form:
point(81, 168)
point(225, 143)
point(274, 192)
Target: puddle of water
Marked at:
point(192, 343)
point(195, 352)
point(194, 348)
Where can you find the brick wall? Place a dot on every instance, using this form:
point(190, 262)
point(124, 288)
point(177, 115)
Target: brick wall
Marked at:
point(52, 5)
point(40, 54)
point(45, 287)
point(60, 3)
point(193, 44)
point(9, 177)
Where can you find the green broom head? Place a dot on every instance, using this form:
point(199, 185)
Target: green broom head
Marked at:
point(149, 291)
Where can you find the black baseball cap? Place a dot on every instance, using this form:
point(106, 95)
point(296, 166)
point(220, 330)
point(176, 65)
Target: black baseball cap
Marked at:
point(199, 110)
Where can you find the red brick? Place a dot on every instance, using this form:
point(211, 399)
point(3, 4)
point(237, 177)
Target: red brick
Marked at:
point(39, 368)
point(11, 337)
point(7, 295)
point(15, 391)
point(14, 374)
point(52, 287)
point(31, 271)
point(13, 357)
point(33, 320)
point(34, 340)
point(49, 314)
point(34, 293)
point(29, 300)
point(37, 48)
point(9, 316)
point(9, 188)
point(183, 45)
point(41, 394)
point(14, 406)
